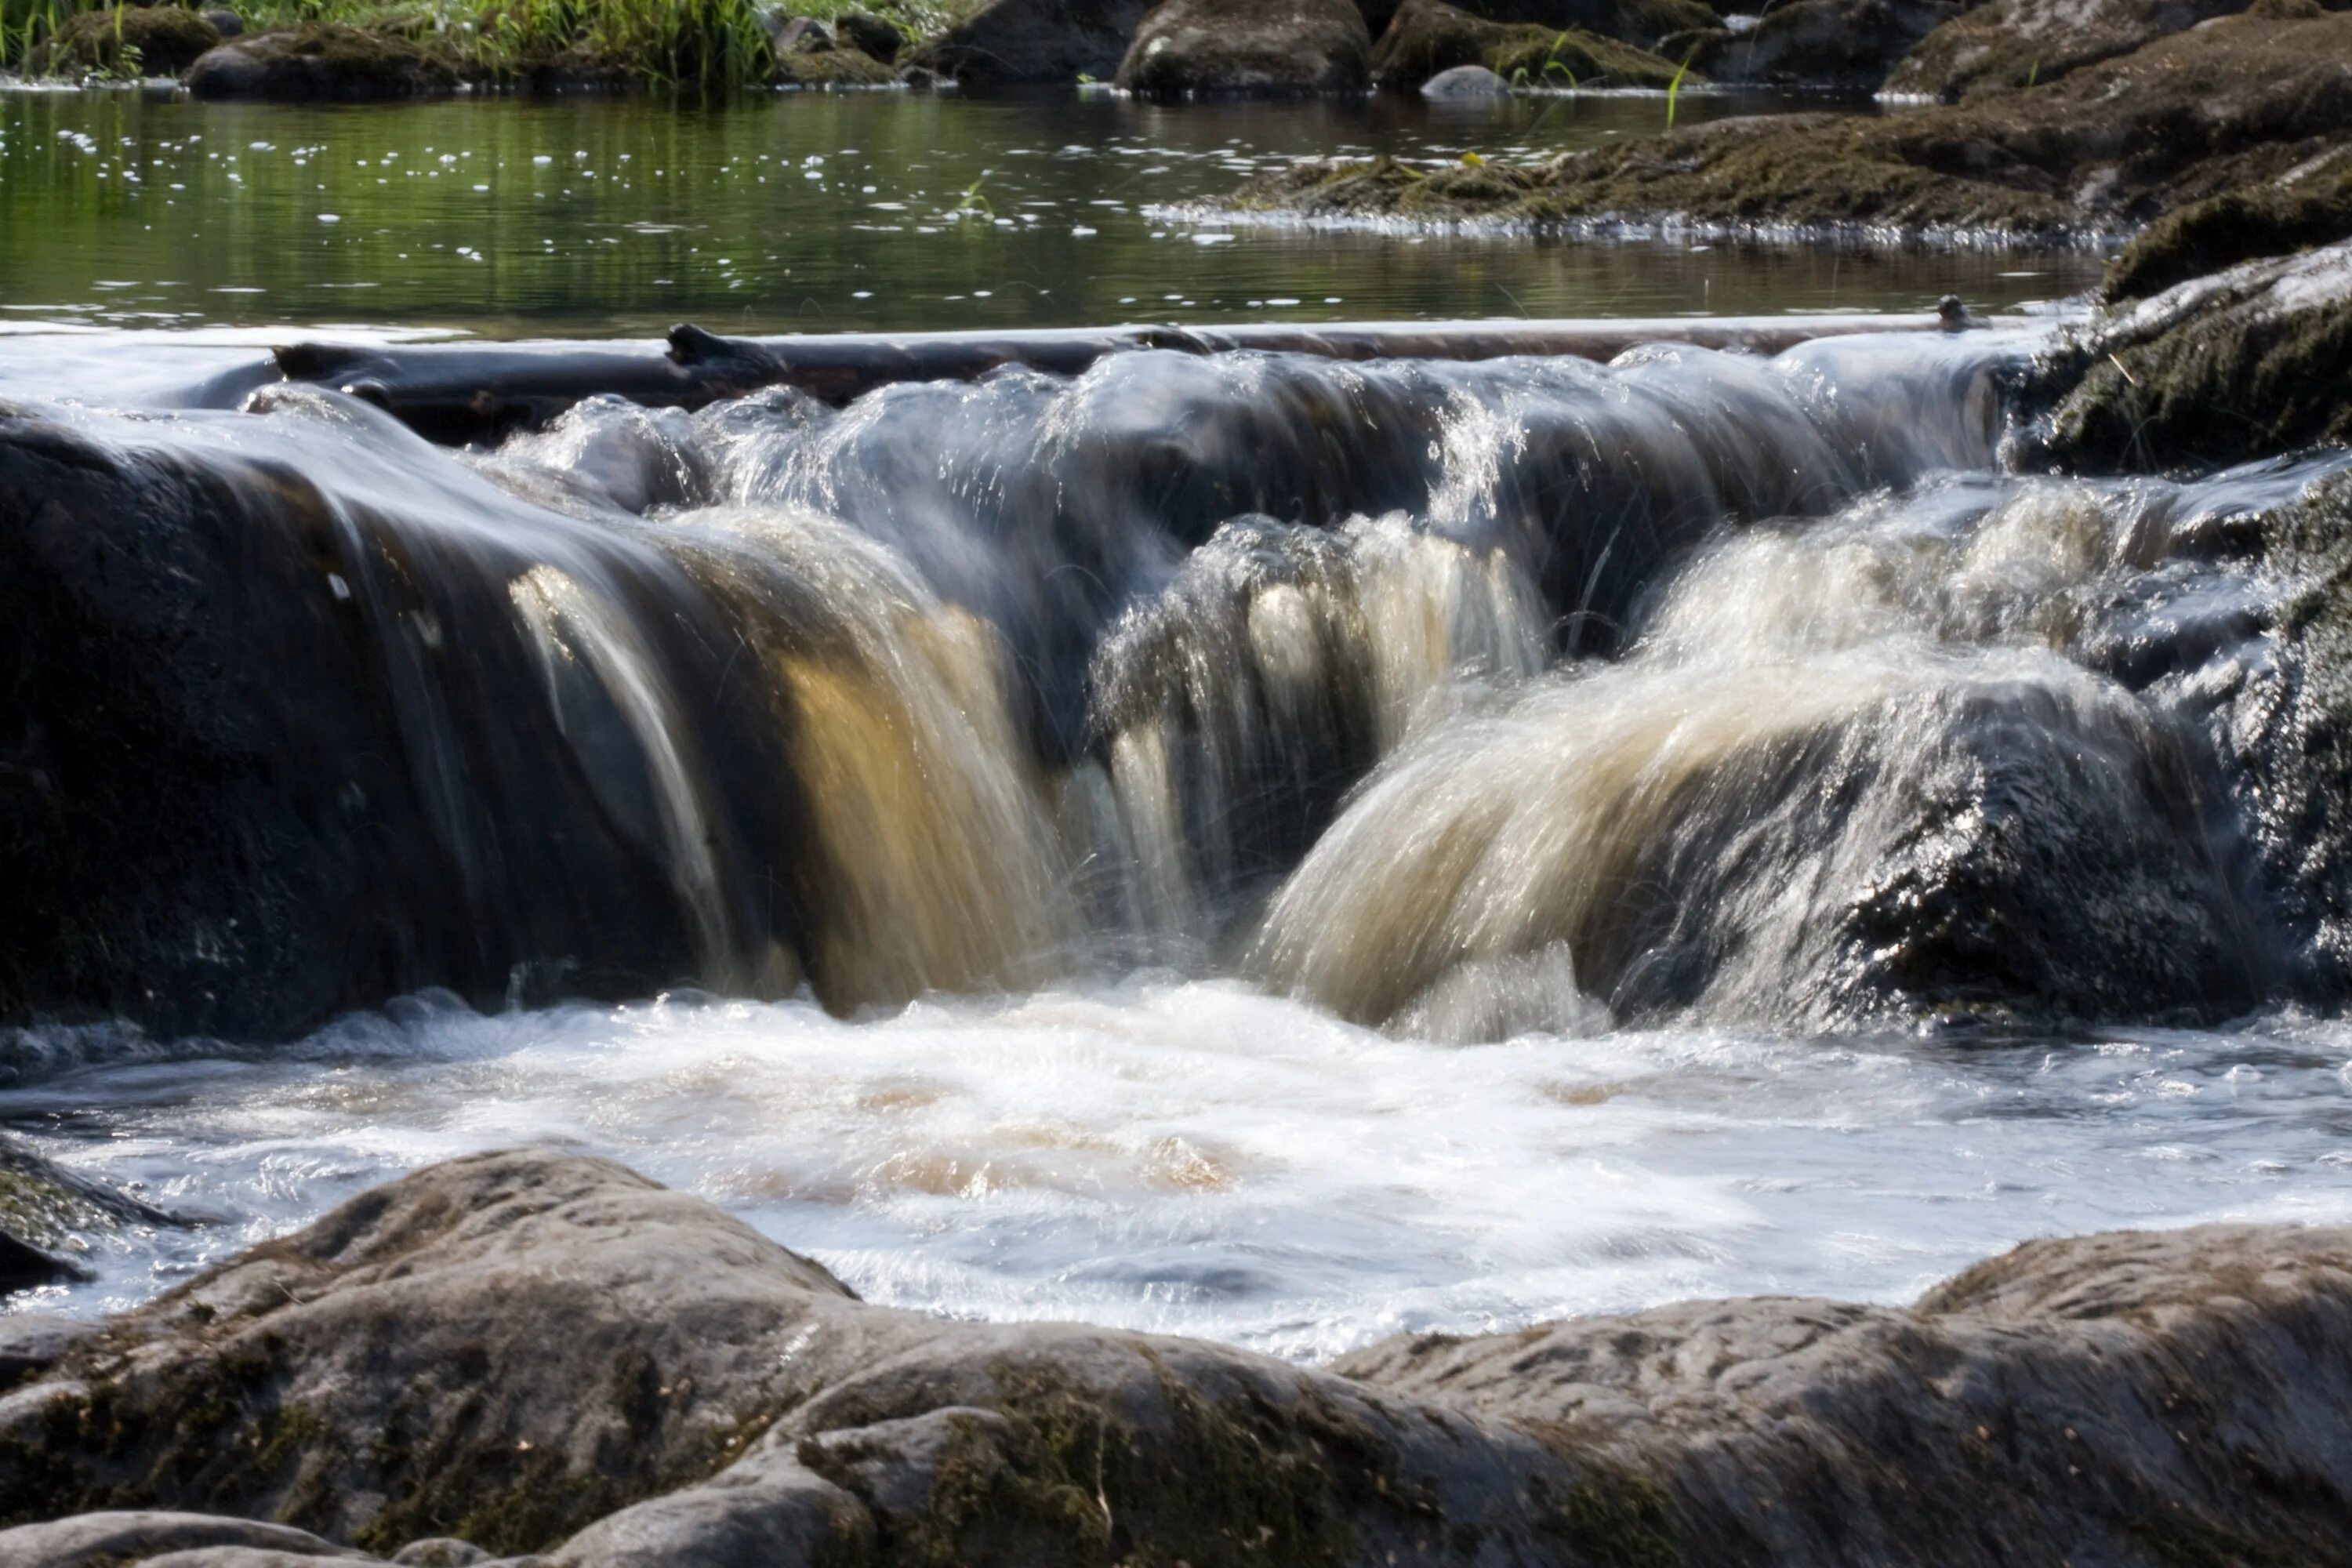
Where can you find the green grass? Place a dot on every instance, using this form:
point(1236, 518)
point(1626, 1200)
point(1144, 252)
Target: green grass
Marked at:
point(702, 44)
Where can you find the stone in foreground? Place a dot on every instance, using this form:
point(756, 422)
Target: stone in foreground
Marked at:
point(538, 1351)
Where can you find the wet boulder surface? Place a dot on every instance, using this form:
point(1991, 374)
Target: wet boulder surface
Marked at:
point(129, 40)
point(2223, 369)
point(539, 1352)
point(1837, 45)
point(1238, 47)
point(2021, 43)
point(2241, 103)
point(322, 62)
point(1057, 41)
point(1428, 38)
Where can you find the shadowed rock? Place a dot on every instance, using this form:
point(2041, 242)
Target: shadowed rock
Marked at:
point(1244, 47)
point(151, 40)
point(2021, 43)
point(322, 62)
point(536, 1350)
point(1035, 41)
point(1429, 36)
point(1847, 45)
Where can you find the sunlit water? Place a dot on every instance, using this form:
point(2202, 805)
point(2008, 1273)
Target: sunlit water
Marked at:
point(1198, 1158)
point(816, 212)
point(1166, 1152)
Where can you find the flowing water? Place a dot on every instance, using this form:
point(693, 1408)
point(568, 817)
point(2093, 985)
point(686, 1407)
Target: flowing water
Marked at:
point(1241, 844)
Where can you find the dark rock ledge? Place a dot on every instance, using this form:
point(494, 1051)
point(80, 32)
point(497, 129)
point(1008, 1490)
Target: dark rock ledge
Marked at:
point(535, 1351)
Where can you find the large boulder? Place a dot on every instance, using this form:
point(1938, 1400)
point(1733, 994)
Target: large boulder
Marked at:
point(536, 1350)
point(281, 741)
point(1009, 41)
point(1428, 36)
point(1243, 46)
point(1845, 45)
point(2021, 43)
point(323, 62)
point(151, 40)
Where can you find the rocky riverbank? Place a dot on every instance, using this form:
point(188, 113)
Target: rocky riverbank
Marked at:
point(2245, 104)
point(537, 1353)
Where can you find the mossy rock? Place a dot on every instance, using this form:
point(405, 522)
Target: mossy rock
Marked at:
point(2218, 371)
point(1428, 36)
point(832, 67)
point(323, 62)
point(129, 40)
point(2221, 231)
point(2011, 44)
point(1835, 45)
point(2242, 101)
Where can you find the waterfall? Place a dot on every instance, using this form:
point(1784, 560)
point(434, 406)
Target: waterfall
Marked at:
point(1460, 698)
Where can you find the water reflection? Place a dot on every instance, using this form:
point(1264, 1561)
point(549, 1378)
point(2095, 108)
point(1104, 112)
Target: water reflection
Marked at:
point(813, 212)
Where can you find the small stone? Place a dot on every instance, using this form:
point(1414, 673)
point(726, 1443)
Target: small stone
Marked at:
point(1465, 82)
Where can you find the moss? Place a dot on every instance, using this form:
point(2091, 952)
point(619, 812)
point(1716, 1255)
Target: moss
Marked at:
point(1428, 36)
point(1231, 1480)
point(2240, 101)
point(2209, 393)
point(1617, 1520)
point(833, 67)
point(2236, 226)
point(214, 1437)
point(157, 40)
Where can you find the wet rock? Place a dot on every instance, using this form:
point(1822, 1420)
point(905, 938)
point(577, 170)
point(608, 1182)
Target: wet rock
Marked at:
point(33, 1343)
point(2311, 207)
point(790, 35)
point(1465, 82)
point(830, 68)
point(1009, 41)
point(440, 1551)
point(2247, 364)
point(322, 62)
point(1843, 45)
point(159, 40)
point(227, 23)
point(1642, 22)
point(2050, 1402)
point(2020, 43)
point(870, 35)
point(220, 829)
point(189, 1540)
point(1428, 37)
point(2241, 101)
point(45, 1210)
point(1246, 47)
point(24, 1266)
point(2281, 727)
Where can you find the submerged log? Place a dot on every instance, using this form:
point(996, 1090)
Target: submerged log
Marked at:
point(456, 392)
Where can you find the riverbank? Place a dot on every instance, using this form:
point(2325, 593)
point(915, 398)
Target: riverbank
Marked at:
point(533, 1353)
point(2240, 105)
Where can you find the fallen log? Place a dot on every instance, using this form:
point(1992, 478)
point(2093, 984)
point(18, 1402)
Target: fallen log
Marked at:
point(457, 393)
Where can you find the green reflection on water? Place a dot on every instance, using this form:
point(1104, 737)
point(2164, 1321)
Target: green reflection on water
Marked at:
point(829, 212)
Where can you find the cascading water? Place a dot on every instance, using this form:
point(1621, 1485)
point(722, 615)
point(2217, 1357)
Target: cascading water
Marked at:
point(1572, 767)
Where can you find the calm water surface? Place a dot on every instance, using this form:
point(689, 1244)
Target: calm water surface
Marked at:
point(816, 212)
